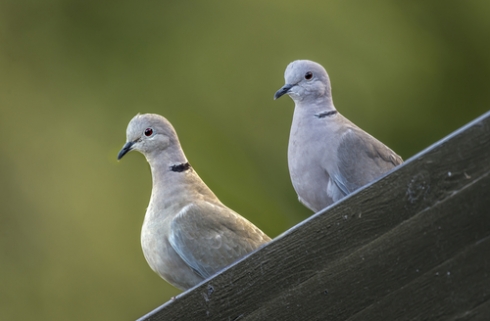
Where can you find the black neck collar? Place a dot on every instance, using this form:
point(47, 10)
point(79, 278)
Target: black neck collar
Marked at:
point(326, 114)
point(182, 167)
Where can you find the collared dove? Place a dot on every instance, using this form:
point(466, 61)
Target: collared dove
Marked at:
point(188, 234)
point(328, 156)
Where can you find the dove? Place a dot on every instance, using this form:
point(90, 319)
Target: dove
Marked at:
point(187, 234)
point(329, 157)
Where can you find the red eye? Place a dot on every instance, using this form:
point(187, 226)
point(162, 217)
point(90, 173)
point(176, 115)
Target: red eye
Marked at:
point(148, 132)
point(308, 75)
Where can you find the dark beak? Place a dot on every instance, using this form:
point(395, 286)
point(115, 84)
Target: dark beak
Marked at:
point(284, 90)
point(126, 148)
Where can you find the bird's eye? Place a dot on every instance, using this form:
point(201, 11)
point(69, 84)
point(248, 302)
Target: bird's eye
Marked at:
point(148, 132)
point(308, 75)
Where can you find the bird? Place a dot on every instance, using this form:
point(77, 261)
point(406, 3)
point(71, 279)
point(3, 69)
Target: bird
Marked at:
point(329, 157)
point(188, 234)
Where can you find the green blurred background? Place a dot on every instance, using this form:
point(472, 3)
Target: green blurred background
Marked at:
point(73, 73)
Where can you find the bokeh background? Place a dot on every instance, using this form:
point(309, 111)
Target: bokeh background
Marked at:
point(73, 73)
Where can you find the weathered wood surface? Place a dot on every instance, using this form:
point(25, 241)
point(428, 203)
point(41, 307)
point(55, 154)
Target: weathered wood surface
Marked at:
point(414, 245)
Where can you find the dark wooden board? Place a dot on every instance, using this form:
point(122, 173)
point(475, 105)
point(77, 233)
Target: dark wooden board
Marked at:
point(413, 245)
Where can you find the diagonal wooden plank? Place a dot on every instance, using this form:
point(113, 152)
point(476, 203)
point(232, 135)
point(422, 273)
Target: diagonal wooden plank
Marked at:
point(454, 288)
point(478, 313)
point(378, 270)
point(295, 259)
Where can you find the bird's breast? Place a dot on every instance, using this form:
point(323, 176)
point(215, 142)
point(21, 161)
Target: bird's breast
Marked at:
point(306, 161)
point(160, 255)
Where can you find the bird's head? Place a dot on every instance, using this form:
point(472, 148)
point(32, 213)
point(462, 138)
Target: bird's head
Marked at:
point(305, 80)
point(149, 134)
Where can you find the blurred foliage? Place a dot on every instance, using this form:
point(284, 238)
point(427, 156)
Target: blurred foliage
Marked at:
point(73, 73)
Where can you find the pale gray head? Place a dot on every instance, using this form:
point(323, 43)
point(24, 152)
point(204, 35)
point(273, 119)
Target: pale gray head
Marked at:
point(149, 134)
point(305, 81)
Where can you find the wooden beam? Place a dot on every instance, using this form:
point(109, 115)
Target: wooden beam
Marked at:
point(414, 244)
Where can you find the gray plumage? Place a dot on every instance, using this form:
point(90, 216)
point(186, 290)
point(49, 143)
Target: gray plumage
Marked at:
point(188, 234)
point(328, 156)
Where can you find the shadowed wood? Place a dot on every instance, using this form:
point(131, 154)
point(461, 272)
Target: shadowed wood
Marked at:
point(413, 245)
